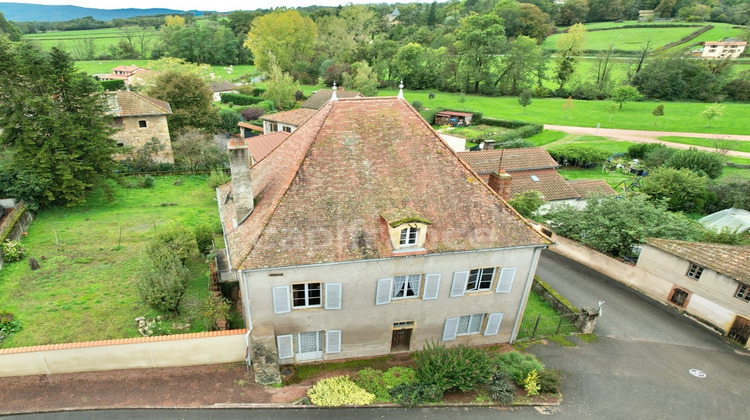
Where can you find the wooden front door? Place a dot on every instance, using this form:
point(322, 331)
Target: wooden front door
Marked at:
point(740, 330)
point(401, 340)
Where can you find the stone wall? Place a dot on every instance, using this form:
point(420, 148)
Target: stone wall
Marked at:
point(584, 319)
point(130, 133)
point(14, 224)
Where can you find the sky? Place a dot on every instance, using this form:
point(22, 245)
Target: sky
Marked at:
point(211, 6)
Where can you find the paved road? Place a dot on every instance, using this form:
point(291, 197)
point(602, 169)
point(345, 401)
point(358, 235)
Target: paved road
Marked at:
point(639, 366)
point(644, 136)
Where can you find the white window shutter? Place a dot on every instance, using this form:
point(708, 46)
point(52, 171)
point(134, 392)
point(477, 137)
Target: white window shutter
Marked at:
point(384, 291)
point(281, 300)
point(506, 280)
point(333, 295)
point(450, 328)
point(458, 288)
point(493, 324)
point(285, 346)
point(333, 341)
point(431, 287)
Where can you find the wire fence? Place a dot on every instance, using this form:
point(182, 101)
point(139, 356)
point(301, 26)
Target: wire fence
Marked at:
point(542, 326)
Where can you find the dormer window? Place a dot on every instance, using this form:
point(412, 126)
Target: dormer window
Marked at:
point(407, 229)
point(409, 236)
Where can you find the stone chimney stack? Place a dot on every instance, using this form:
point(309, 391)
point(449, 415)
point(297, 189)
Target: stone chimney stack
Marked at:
point(242, 190)
point(500, 183)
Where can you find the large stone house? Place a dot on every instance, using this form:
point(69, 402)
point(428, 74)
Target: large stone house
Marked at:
point(363, 234)
point(140, 119)
point(711, 282)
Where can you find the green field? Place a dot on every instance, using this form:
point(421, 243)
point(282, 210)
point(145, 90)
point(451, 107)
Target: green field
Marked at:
point(106, 66)
point(679, 116)
point(75, 42)
point(90, 256)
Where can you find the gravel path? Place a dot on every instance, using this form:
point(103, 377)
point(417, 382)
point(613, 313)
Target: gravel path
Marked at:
point(645, 136)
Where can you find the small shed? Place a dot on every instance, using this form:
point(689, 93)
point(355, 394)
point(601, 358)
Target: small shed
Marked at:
point(453, 118)
point(736, 220)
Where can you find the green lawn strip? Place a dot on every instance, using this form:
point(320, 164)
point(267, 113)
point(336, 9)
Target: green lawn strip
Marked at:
point(736, 173)
point(627, 38)
point(679, 116)
point(304, 372)
point(537, 306)
point(736, 145)
point(85, 288)
point(546, 137)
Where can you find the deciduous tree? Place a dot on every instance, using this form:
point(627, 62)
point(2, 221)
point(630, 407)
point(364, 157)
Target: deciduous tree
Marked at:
point(190, 98)
point(480, 40)
point(569, 46)
point(625, 93)
point(286, 35)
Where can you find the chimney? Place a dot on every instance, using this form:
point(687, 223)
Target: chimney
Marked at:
point(500, 183)
point(242, 191)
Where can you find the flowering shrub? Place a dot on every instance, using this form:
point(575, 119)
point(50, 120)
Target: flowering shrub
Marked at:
point(338, 391)
point(12, 251)
point(531, 383)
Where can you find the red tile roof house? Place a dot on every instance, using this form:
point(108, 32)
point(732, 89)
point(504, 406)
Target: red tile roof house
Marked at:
point(287, 121)
point(534, 169)
point(711, 282)
point(222, 86)
point(139, 119)
point(364, 234)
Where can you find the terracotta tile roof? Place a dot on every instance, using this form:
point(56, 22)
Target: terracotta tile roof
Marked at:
point(456, 113)
point(126, 69)
point(131, 104)
point(260, 146)
point(487, 161)
point(548, 182)
point(730, 260)
point(250, 126)
point(320, 194)
point(294, 117)
point(222, 86)
point(592, 187)
point(322, 96)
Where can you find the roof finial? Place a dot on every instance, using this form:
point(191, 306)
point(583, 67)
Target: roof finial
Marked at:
point(401, 89)
point(334, 97)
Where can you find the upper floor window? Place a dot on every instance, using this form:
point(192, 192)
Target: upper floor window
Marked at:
point(480, 279)
point(306, 295)
point(406, 286)
point(142, 123)
point(409, 236)
point(743, 293)
point(695, 271)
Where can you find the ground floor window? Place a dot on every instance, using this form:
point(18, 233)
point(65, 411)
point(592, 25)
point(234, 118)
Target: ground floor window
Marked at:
point(308, 345)
point(470, 324)
point(679, 297)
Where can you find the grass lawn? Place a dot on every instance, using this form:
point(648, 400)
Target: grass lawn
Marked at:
point(547, 137)
point(627, 39)
point(737, 145)
point(106, 66)
point(679, 116)
point(85, 288)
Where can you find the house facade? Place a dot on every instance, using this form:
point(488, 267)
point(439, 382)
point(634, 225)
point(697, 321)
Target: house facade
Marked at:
point(140, 119)
point(709, 281)
point(286, 121)
point(723, 49)
point(363, 234)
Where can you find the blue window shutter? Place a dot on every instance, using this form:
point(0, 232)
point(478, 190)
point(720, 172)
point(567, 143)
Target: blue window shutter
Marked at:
point(493, 324)
point(506, 280)
point(384, 291)
point(431, 287)
point(450, 328)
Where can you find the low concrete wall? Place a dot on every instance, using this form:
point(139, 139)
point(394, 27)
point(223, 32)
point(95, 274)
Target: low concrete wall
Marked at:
point(132, 353)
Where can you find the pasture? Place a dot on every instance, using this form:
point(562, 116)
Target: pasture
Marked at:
point(90, 258)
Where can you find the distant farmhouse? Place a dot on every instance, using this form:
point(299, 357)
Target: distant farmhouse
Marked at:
point(723, 49)
point(139, 119)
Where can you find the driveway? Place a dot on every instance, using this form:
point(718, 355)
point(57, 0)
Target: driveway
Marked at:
point(644, 136)
point(639, 367)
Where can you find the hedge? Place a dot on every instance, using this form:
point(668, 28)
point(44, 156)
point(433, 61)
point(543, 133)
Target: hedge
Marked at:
point(518, 129)
point(240, 99)
point(112, 84)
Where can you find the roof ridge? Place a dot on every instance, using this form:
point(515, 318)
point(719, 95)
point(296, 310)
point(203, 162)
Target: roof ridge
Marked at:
point(321, 113)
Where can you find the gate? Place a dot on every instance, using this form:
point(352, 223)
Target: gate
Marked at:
point(540, 326)
point(740, 331)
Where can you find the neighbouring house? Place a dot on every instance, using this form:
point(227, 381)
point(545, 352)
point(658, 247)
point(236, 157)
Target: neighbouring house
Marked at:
point(391, 17)
point(453, 118)
point(222, 86)
point(646, 15)
point(249, 130)
point(736, 220)
point(711, 282)
point(534, 169)
point(321, 97)
point(723, 49)
point(121, 73)
point(140, 119)
point(259, 147)
point(364, 234)
point(287, 121)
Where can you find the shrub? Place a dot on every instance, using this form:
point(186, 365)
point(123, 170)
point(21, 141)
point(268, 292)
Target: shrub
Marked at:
point(517, 365)
point(252, 113)
point(500, 388)
point(549, 381)
point(531, 383)
point(217, 178)
point(734, 193)
point(579, 155)
point(417, 105)
point(112, 84)
point(178, 239)
point(229, 119)
point(657, 156)
point(163, 279)
point(12, 251)
point(527, 202)
point(204, 235)
point(712, 164)
point(456, 368)
point(8, 325)
point(398, 375)
point(640, 150)
point(411, 395)
point(371, 380)
point(338, 391)
point(240, 99)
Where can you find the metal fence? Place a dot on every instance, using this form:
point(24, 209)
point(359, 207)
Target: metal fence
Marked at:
point(541, 326)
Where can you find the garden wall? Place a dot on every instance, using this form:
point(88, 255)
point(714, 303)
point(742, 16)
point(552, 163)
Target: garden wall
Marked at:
point(629, 275)
point(132, 353)
point(14, 223)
